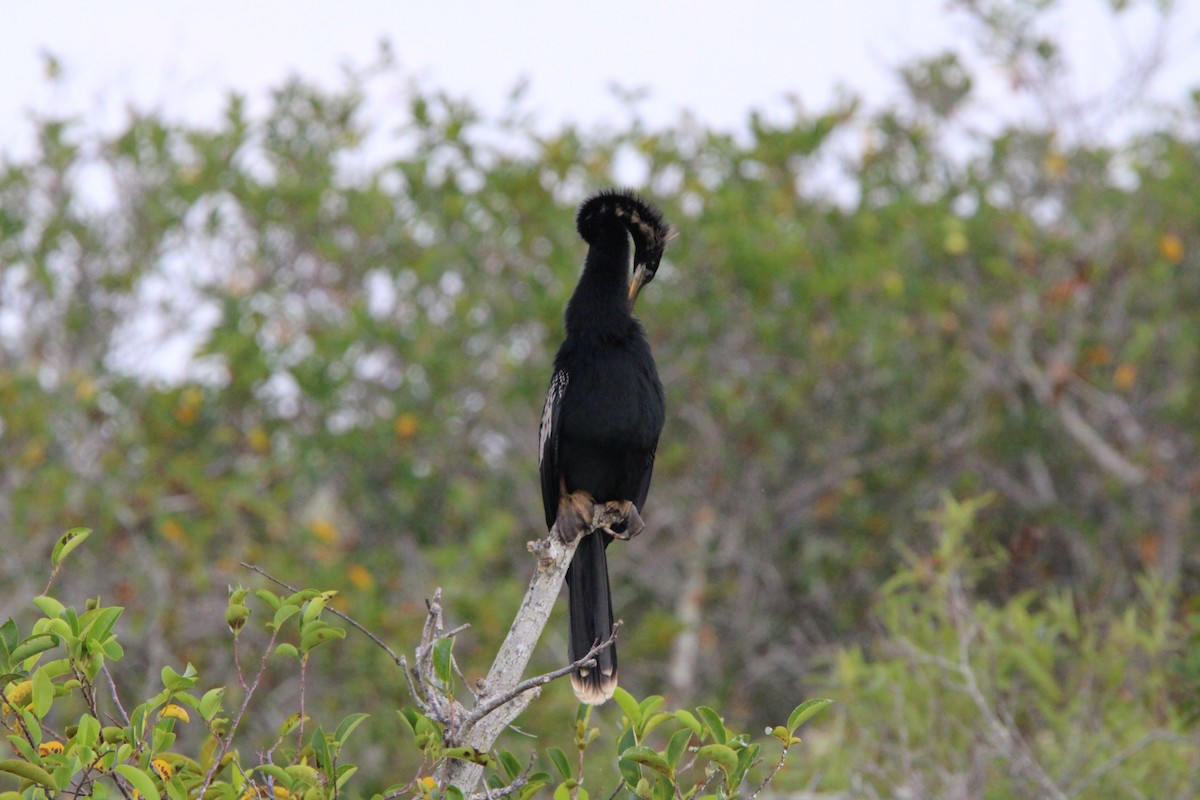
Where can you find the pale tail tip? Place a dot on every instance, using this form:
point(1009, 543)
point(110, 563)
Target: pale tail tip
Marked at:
point(592, 691)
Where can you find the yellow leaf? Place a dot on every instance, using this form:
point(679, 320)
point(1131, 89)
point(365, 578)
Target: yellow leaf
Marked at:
point(258, 440)
point(1170, 247)
point(359, 577)
point(173, 532)
point(1055, 164)
point(406, 425)
point(893, 283)
point(173, 711)
point(1124, 376)
point(325, 530)
point(956, 243)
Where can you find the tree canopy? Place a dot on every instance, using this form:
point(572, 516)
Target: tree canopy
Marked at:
point(261, 340)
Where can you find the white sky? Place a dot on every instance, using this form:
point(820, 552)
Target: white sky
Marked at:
point(182, 58)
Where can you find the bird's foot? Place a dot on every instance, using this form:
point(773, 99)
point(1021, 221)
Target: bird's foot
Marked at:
point(574, 516)
point(630, 523)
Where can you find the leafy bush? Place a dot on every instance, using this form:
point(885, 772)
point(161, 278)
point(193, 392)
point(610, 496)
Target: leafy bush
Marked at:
point(961, 697)
point(70, 732)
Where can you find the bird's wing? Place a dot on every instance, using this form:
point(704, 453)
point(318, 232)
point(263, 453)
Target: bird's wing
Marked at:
point(548, 436)
point(644, 484)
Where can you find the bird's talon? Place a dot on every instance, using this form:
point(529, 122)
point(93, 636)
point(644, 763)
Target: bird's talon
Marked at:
point(630, 523)
point(574, 516)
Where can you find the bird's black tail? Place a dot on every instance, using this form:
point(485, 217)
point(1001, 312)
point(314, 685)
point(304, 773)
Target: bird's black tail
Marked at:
point(590, 606)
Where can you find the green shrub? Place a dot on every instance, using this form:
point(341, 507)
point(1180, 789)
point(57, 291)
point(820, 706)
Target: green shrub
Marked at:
point(962, 697)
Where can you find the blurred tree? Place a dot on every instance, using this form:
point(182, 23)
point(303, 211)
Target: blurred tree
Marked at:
point(259, 340)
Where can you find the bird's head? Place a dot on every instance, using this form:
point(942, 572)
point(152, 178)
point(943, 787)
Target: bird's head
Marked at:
point(622, 208)
point(649, 242)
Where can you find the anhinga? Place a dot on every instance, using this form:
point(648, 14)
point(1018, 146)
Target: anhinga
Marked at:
point(603, 415)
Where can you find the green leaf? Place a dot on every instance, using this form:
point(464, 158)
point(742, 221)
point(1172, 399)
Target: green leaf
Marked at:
point(277, 772)
point(648, 757)
point(631, 772)
point(139, 780)
point(28, 771)
point(315, 638)
point(270, 598)
point(98, 624)
point(649, 705)
point(9, 635)
point(712, 721)
point(347, 727)
point(654, 720)
point(559, 759)
point(532, 789)
point(49, 606)
point(176, 682)
point(317, 604)
point(628, 705)
point(678, 746)
point(805, 711)
point(687, 718)
point(210, 703)
point(720, 755)
point(453, 793)
point(236, 616)
point(510, 764)
point(88, 731)
point(475, 756)
point(344, 773)
point(320, 746)
point(626, 741)
point(286, 650)
point(39, 643)
point(409, 716)
point(746, 758)
point(282, 615)
point(43, 693)
point(290, 724)
point(68, 542)
point(442, 650)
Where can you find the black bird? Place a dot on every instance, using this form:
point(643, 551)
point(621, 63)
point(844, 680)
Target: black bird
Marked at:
point(603, 415)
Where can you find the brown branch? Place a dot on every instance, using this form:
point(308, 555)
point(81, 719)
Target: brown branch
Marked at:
point(227, 739)
point(778, 766)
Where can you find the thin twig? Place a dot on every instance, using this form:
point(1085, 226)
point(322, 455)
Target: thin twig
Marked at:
point(20, 721)
point(50, 582)
point(1122, 755)
point(518, 783)
point(778, 766)
point(227, 739)
point(700, 790)
point(112, 686)
point(398, 660)
point(412, 687)
point(588, 659)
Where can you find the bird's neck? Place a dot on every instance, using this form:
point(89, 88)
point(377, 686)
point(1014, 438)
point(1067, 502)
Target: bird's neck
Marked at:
point(601, 300)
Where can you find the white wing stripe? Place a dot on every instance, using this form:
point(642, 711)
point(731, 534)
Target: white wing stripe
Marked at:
point(558, 385)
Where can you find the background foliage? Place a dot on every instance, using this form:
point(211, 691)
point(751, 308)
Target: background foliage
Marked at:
point(260, 340)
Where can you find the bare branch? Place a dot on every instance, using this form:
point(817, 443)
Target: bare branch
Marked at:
point(587, 660)
point(1084, 434)
point(553, 558)
point(399, 661)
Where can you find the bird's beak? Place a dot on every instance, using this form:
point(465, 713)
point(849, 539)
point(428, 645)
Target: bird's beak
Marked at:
point(636, 282)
